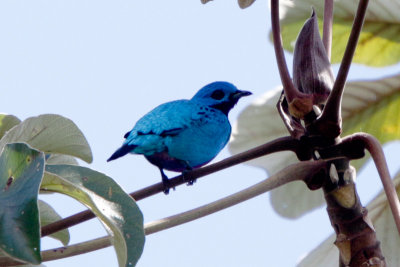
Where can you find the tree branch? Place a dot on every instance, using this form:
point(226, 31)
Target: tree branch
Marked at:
point(280, 144)
point(300, 171)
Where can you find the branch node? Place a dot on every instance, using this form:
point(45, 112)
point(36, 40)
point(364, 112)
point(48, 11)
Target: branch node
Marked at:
point(317, 110)
point(316, 180)
point(333, 174)
point(349, 175)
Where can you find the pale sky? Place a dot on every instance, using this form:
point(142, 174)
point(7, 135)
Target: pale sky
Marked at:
point(104, 64)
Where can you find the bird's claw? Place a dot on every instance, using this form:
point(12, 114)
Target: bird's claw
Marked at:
point(166, 183)
point(167, 186)
point(188, 178)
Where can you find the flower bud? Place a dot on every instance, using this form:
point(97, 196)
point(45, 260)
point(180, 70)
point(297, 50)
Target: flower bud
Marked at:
point(312, 72)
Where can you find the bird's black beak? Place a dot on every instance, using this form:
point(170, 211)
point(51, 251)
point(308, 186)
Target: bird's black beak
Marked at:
point(238, 94)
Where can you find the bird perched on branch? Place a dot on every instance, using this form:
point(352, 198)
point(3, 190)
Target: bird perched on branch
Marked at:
point(184, 134)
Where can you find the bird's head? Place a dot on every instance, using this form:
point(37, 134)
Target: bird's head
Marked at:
point(219, 95)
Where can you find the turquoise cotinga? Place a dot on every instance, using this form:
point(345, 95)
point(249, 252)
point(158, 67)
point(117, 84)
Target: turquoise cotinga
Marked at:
point(184, 134)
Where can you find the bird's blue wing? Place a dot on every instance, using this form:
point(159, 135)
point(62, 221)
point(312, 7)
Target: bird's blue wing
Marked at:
point(169, 119)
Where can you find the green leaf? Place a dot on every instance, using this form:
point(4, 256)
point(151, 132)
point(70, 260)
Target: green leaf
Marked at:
point(116, 210)
point(2, 254)
point(49, 215)
point(7, 122)
point(369, 106)
point(54, 159)
point(21, 171)
point(51, 134)
point(375, 109)
point(379, 43)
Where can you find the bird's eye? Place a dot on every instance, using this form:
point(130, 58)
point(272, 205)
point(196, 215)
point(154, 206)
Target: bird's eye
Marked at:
point(217, 94)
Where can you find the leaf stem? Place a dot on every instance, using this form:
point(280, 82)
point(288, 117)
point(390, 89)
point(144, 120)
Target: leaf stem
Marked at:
point(290, 91)
point(280, 144)
point(332, 110)
point(327, 28)
point(373, 146)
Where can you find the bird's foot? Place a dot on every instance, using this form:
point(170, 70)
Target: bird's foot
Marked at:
point(188, 178)
point(166, 183)
point(167, 186)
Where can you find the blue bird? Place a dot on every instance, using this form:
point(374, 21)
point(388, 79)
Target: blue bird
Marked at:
point(184, 134)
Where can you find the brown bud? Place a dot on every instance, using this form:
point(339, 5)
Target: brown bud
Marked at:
point(299, 107)
point(312, 73)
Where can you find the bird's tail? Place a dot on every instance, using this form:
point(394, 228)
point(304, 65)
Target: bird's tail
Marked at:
point(122, 151)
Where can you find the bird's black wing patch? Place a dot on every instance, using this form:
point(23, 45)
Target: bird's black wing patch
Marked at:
point(142, 133)
point(171, 132)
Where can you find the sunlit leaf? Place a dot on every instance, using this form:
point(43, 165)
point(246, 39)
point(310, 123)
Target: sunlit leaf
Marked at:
point(369, 106)
point(327, 254)
point(379, 43)
point(373, 107)
point(7, 122)
point(51, 134)
point(53, 159)
point(49, 215)
point(21, 171)
point(117, 211)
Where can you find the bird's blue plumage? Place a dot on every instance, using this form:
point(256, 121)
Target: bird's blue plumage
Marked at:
point(184, 134)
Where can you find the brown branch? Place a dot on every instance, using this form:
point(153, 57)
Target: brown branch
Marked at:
point(280, 144)
point(355, 234)
point(327, 29)
point(331, 115)
point(291, 92)
point(303, 171)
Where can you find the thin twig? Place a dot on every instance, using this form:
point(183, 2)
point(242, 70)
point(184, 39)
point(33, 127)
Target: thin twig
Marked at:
point(332, 110)
point(373, 146)
point(280, 144)
point(327, 32)
point(298, 171)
